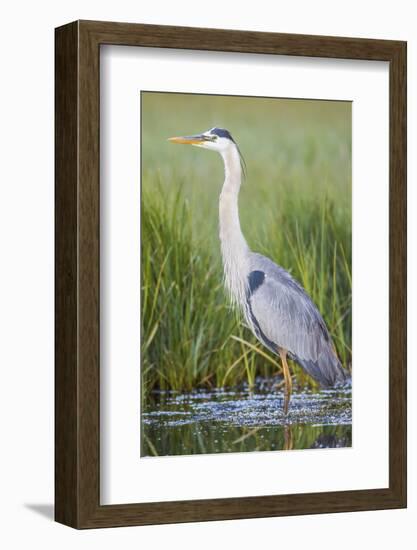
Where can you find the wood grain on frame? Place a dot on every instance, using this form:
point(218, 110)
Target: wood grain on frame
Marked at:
point(77, 360)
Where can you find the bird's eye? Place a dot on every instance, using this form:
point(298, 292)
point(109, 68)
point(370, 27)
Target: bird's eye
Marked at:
point(210, 137)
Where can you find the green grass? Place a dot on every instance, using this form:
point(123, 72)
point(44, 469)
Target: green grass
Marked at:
point(295, 207)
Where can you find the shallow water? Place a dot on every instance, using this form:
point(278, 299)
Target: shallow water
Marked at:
point(222, 421)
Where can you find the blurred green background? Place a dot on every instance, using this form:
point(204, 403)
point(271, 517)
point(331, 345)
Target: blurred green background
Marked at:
point(295, 207)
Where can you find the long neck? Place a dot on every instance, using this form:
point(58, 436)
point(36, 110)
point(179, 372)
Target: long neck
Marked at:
point(234, 248)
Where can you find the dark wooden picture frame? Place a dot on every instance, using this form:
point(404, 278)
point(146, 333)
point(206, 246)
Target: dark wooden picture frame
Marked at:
point(77, 374)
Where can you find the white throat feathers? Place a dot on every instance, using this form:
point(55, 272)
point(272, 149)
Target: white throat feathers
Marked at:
point(235, 251)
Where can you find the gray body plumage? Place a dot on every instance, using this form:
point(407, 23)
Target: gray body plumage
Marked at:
point(282, 315)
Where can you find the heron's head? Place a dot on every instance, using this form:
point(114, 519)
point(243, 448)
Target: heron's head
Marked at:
point(216, 139)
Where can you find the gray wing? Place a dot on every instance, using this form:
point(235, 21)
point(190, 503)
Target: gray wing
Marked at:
point(282, 315)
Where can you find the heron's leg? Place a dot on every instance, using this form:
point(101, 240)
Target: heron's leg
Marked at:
point(287, 379)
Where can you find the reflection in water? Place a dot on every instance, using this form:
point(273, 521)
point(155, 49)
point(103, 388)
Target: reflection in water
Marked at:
point(288, 440)
point(230, 421)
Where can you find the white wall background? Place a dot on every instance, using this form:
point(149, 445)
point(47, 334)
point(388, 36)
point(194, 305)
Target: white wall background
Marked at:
point(26, 272)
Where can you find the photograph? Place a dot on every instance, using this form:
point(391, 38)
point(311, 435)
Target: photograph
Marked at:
point(209, 259)
point(246, 279)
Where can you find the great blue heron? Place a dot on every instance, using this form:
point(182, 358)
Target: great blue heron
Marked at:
point(278, 310)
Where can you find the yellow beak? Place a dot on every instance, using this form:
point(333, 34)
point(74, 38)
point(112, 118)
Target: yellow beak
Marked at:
point(192, 140)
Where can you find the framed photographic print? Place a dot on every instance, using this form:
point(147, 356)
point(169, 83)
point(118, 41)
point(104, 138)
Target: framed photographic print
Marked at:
point(230, 274)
